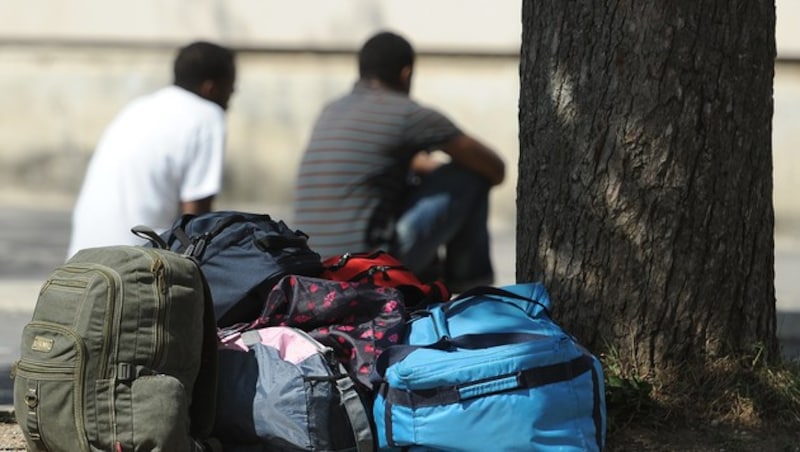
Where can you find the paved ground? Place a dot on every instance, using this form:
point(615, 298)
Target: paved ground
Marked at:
point(34, 235)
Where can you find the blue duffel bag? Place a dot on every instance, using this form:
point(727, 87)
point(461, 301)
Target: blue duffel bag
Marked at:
point(490, 370)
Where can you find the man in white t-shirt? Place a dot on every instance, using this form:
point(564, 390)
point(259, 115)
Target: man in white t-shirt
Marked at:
point(162, 156)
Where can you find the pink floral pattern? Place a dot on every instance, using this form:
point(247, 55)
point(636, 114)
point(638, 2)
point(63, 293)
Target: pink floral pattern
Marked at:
point(357, 320)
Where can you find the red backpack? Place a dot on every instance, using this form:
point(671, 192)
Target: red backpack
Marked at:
point(382, 269)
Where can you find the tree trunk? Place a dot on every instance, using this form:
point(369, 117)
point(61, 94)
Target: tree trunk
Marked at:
point(645, 174)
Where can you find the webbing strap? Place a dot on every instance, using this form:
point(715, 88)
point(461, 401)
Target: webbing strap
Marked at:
point(184, 238)
point(359, 421)
point(526, 379)
point(597, 416)
point(128, 371)
point(32, 419)
point(492, 291)
point(397, 353)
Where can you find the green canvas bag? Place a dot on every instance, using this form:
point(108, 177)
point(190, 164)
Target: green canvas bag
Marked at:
point(120, 355)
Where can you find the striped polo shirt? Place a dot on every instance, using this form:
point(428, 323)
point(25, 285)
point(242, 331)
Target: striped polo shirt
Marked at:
point(353, 174)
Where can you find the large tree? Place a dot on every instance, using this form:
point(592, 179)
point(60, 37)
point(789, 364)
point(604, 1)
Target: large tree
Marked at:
point(645, 174)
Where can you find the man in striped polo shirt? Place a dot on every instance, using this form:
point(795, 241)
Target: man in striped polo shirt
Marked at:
point(366, 180)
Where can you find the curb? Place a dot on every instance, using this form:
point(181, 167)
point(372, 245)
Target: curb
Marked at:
point(788, 325)
point(7, 414)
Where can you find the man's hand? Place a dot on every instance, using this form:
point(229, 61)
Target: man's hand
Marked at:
point(424, 163)
point(197, 207)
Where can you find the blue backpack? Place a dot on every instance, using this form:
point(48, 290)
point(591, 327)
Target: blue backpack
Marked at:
point(489, 370)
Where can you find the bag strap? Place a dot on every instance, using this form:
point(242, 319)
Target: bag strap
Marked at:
point(277, 242)
point(203, 409)
point(357, 414)
point(397, 353)
point(345, 258)
point(492, 291)
point(148, 233)
point(524, 379)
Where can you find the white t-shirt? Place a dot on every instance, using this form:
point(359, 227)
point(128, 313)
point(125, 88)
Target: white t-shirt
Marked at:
point(162, 149)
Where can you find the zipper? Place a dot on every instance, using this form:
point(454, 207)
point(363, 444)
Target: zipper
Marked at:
point(35, 370)
point(66, 283)
point(159, 270)
point(111, 315)
point(384, 269)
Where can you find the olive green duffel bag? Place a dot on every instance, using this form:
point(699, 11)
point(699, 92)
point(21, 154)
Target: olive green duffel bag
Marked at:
point(120, 355)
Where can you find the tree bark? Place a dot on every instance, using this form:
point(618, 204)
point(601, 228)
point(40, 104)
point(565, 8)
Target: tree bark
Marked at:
point(645, 174)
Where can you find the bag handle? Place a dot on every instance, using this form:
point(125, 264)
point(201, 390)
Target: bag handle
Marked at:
point(397, 353)
point(148, 233)
point(280, 242)
point(196, 246)
point(492, 291)
point(344, 258)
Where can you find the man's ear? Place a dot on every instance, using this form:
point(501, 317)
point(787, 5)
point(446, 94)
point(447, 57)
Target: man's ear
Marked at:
point(207, 89)
point(405, 77)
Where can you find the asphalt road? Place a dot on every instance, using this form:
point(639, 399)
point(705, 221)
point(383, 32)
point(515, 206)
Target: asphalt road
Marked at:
point(33, 240)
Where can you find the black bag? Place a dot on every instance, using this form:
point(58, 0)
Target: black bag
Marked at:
point(241, 254)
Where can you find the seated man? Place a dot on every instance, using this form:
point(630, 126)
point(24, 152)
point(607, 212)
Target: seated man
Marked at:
point(366, 180)
point(161, 156)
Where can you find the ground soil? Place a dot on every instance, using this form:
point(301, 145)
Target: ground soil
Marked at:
point(10, 435)
point(683, 439)
point(703, 439)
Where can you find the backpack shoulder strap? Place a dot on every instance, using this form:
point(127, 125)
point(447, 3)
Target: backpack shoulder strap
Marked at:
point(203, 409)
point(359, 421)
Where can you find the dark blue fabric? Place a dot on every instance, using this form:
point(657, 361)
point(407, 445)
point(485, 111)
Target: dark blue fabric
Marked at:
point(242, 255)
point(449, 208)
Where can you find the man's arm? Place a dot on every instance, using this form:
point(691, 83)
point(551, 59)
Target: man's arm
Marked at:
point(197, 207)
point(474, 155)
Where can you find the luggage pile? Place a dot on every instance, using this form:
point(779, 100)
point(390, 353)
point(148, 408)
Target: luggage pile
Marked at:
point(228, 333)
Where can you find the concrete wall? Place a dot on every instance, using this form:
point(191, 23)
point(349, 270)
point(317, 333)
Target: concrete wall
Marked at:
point(468, 25)
point(63, 97)
point(67, 66)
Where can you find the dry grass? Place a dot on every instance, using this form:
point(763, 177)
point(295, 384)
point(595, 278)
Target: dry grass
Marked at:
point(728, 404)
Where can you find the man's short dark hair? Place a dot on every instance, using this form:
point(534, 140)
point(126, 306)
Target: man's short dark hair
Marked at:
point(201, 61)
point(383, 56)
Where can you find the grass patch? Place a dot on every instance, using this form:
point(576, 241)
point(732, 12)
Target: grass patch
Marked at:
point(744, 393)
